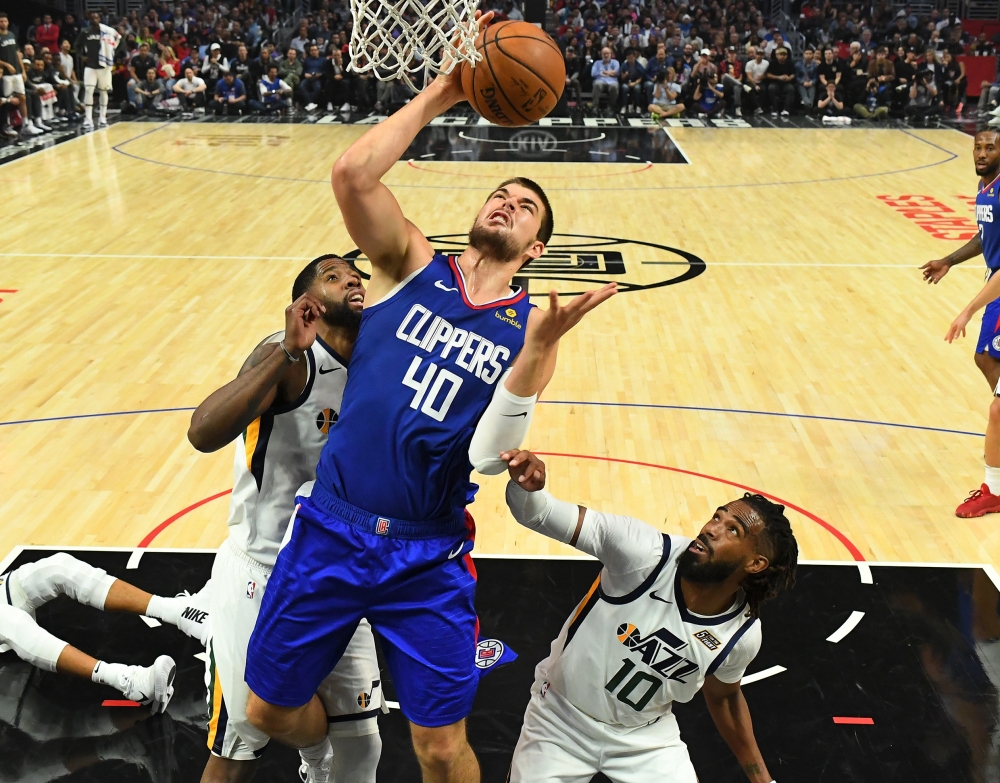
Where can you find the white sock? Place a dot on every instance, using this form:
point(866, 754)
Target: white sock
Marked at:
point(314, 754)
point(166, 609)
point(993, 480)
point(113, 674)
point(103, 105)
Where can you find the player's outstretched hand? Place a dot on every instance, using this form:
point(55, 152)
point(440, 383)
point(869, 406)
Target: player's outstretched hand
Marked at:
point(300, 323)
point(553, 323)
point(525, 468)
point(957, 328)
point(935, 270)
point(451, 83)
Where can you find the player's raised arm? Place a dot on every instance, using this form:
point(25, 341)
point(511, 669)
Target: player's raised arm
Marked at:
point(273, 371)
point(394, 246)
point(731, 715)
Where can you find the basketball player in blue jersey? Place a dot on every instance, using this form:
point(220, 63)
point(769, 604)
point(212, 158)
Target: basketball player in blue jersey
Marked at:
point(986, 154)
point(383, 533)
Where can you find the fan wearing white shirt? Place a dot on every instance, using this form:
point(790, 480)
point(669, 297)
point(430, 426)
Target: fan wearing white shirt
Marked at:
point(668, 616)
point(191, 90)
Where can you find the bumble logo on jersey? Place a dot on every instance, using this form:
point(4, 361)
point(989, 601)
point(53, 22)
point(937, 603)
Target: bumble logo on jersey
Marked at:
point(508, 317)
point(324, 419)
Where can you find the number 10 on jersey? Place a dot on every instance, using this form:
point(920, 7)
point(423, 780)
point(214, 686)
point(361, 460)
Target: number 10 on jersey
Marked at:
point(430, 396)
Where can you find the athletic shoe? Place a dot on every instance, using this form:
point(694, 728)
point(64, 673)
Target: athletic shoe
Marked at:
point(102, 122)
point(747, 88)
point(9, 133)
point(310, 107)
point(738, 111)
point(194, 616)
point(784, 114)
point(88, 123)
point(979, 503)
point(41, 126)
point(151, 684)
point(27, 129)
point(346, 107)
point(320, 773)
point(995, 112)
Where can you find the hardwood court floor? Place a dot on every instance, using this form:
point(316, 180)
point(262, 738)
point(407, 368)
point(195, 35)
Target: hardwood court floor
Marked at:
point(148, 260)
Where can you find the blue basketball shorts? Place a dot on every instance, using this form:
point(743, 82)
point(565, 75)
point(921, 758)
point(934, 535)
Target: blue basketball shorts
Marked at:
point(989, 334)
point(340, 564)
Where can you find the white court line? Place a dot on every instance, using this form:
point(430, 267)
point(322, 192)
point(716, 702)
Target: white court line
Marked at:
point(134, 558)
point(392, 705)
point(763, 674)
point(152, 622)
point(201, 656)
point(678, 146)
point(11, 557)
point(849, 625)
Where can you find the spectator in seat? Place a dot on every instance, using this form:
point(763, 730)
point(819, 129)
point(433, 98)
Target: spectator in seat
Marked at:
point(149, 92)
point(632, 77)
point(983, 47)
point(830, 105)
point(39, 91)
point(301, 41)
point(230, 95)
point(290, 69)
point(47, 34)
point(313, 76)
point(140, 63)
point(709, 98)
point(989, 92)
point(924, 102)
point(905, 68)
point(241, 64)
point(874, 107)
point(193, 61)
point(339, 93)
point(952, 91)
point(573, 65)
point(805, 79)
point(260, 66)
point(167, 67)
point(830, 71)
point(214, 67)
point(731, 72)
point(781, 83)
point(665, 96)
point(275, 93)
point(191, 90)
point(856, 75)
point(654, 66)
point(605, 75)
point(756, 71)
point(62, 85)
point(882, 70)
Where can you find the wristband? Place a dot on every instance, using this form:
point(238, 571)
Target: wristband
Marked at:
point(290, 357)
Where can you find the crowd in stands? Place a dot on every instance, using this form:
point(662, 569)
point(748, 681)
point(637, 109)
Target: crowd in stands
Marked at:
point(190, 57)
point(721, 59)
point(662, 57)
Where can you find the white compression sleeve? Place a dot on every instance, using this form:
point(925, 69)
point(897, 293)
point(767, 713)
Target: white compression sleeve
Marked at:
point(31, 642)
point(502, 427)
point(543, 513)
point(355, 758)
point(62, 574)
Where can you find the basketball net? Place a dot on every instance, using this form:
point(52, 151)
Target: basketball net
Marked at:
point(398, 39)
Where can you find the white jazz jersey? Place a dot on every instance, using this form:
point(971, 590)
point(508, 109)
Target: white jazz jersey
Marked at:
point(624, 660)
point(278, 453)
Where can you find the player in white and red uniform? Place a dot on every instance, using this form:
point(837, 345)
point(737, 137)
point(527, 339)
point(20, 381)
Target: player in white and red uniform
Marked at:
point(668, 616)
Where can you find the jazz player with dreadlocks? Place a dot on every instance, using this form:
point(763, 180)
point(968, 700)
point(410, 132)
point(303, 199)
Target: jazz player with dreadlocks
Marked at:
point(668, 616)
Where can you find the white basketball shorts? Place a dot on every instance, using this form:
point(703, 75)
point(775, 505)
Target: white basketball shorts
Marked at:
point(560, 744)
point(13, 85)
point(351, 693)
point(97, 77)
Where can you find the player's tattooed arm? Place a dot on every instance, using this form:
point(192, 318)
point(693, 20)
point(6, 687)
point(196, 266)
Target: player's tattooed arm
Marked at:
point(731, 716)
point(933, 271)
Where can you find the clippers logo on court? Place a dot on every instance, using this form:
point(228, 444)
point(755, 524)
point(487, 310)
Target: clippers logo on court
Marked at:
point(325, 419)
point(251, 588)
point(382, 526)
point(571, 264)
point(660, 651)
point(708, 640)
point(488, 652)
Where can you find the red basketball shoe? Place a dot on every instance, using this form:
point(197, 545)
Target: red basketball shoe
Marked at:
point(979, 503)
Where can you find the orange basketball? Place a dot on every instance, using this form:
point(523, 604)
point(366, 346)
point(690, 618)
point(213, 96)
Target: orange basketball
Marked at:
point(520, 77)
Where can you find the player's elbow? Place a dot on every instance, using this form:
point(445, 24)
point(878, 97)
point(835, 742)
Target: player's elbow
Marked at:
point(349, 173)
point(201, 437)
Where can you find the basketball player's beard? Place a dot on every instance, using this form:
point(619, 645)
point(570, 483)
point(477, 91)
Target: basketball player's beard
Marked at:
point(342, 314)
point(501, 247)
point(709, 572)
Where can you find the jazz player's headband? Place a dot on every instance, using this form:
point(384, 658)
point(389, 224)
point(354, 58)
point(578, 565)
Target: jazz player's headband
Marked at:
point(746, 514)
